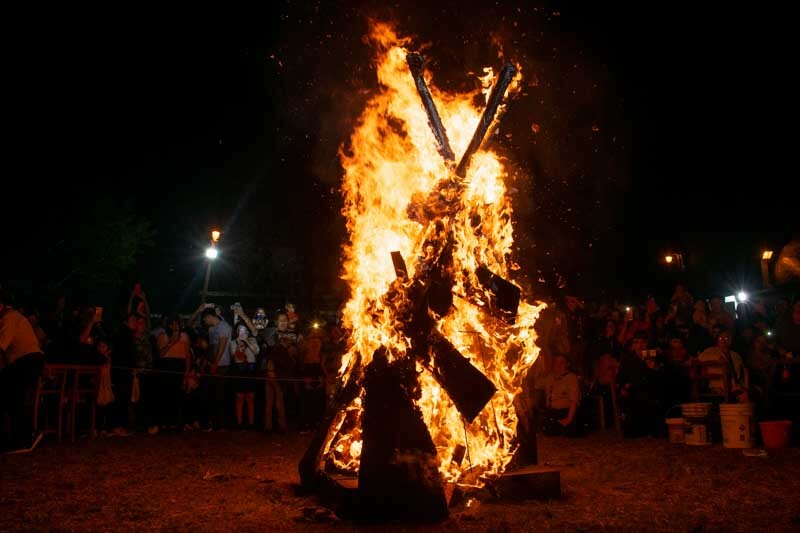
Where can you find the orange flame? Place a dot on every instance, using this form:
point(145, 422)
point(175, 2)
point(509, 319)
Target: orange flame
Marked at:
point(392, 156)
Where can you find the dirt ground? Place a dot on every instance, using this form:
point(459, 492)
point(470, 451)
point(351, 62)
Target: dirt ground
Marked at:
point(245, 481)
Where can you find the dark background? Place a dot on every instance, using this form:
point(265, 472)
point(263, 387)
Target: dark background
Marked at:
point(660, 127)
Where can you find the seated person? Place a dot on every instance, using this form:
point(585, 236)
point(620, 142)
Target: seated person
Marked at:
point(762, 364)
point(640, 390)
point(677, 365)
point(761, 361)
point(562, 398)
point(722, 355)
point(787, 334)
point(606, 374)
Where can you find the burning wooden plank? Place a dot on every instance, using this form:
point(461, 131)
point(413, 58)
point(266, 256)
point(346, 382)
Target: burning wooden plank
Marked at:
point(415, 64)
point(467, 386)
point(504, 295)
point(492, 105)
point(398, 476)
point(469, 389)
point(311, 465)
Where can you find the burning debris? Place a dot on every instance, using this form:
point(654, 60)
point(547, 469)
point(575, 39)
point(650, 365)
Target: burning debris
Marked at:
point(440, 346)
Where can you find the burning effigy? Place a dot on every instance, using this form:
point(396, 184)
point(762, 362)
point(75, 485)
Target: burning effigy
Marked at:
point(440, 335)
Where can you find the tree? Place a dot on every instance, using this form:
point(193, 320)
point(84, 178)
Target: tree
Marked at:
point(100, 249)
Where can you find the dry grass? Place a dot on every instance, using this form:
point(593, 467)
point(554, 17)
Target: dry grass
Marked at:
point(245, 481)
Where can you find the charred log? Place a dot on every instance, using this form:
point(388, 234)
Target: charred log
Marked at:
point(399, 263)
point(492, 105)
point(399, 475)
point(311, 465)
point(505, 296)
point(466, 386)
point(415, 63)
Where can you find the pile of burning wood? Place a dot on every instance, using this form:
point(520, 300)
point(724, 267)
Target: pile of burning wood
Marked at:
point(440, 345)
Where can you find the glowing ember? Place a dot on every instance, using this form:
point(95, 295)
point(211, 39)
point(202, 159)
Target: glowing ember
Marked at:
point(392, 161)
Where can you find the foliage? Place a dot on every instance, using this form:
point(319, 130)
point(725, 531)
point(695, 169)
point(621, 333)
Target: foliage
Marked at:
point(101, 249)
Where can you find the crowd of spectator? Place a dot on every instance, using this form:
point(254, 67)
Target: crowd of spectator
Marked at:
point(646, 359)
point(223, 369)
point(214, 370)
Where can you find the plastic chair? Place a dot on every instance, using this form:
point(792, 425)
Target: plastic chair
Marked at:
point(52, 384)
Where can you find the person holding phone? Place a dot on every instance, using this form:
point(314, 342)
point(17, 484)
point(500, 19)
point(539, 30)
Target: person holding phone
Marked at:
point(244, 350)
point(174, 350)
point(137, 303)
point(636, 321)
point(90, 330)
point(640, 390)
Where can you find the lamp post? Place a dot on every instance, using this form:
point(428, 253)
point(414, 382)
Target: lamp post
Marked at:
point(211, 254)
point(766, 255)
point(674, 257)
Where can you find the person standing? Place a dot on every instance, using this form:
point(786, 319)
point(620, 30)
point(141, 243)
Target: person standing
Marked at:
point(105, 393)
point(137, 303)
point(607, 343)
point(719, 315)
point(21, 365)
point(292, 317)
point(280, 363)
point(219, 340)
point(244, 349)
point(41, 336)
point(312, 394)
point(174, 350)
point(121, 375)
point(144, 385)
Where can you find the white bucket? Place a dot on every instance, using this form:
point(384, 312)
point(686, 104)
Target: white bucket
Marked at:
point(738, 425)
point(696, 433)
point(696, 423)
point(675, 430)
point(695, 409)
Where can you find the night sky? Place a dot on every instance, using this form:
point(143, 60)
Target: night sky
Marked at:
point(658, 129)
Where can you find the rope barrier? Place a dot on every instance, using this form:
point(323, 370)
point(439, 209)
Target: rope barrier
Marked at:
point(320, 379)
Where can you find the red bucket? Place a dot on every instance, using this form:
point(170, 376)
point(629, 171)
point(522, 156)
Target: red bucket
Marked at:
point(776, 434)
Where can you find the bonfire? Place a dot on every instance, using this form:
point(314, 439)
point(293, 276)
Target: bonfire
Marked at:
point(441, 338)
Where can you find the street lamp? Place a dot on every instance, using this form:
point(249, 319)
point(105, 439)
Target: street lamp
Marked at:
point(211, 254)
point(766, 255)
point(674, 257)
point(741, 296)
